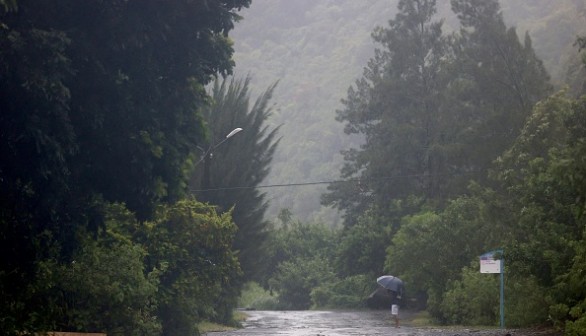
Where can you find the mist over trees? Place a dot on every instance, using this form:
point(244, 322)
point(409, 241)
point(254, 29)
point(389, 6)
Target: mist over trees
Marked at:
point(125, 209)
point(434, 109)
point(316, 49)
point(466, 150)
point(228, 175)
point(456, 160)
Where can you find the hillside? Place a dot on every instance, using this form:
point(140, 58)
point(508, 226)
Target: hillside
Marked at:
point(315, 49)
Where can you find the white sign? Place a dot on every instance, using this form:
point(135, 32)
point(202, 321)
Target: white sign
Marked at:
point(488, 264)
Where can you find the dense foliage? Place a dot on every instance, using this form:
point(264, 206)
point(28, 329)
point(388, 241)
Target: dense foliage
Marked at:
point(100, 118)
point(467, 150)
point(233, 167)
point(104, 116)
point(433, 109)
point(300, 269)
point(315, 49)
point(190, 245)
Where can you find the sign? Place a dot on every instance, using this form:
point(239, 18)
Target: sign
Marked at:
point(488, 264)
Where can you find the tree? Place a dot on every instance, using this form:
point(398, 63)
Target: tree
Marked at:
point(37, 145)
point(100, 104)
point(499, 80)
point(547, 222)
point(231, 171)
point(361, 247)
point(431, 248)
point(543, 174)
point(434, 110)
point(296, 278)
point(398, 107)
point(189, 244)
point(299, 258)
point(143, 87)
point(106, 288)
point(294, 241)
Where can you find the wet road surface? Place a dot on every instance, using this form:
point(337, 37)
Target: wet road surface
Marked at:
point(323, 323)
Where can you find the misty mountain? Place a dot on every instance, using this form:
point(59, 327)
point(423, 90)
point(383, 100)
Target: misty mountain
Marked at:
point(315, 49)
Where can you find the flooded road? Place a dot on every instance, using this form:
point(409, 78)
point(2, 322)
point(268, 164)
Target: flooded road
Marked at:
point(325, 323)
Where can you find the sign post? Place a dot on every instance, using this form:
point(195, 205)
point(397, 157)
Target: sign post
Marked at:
point(489, 265)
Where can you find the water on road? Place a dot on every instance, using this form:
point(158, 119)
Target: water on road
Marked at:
point(322, 323)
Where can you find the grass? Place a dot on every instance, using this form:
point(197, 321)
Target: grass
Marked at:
point(206, 326)
point(252, 296)
point(424, 320)
point(421, 319)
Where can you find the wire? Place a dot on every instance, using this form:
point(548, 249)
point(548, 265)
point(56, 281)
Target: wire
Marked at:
point(301, 184)
point(274, 185)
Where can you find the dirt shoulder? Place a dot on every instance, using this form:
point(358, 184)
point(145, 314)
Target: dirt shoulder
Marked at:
point(420, 320)
point(449, 331)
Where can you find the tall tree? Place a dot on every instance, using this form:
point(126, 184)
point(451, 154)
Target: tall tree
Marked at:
point(435, 111)
point(99, 103)
point(543, 174)
point(500, 79)
point(398, 107)
point(228, 175)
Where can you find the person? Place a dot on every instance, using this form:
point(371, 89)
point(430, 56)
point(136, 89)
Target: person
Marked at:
point(395, 302)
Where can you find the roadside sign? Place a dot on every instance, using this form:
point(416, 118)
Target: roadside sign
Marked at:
point(488, 264)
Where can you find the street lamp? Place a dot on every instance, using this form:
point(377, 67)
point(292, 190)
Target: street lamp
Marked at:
point(208, 152)
point(234, 131)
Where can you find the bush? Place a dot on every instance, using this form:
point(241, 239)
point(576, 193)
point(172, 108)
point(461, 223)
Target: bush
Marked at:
point(267, 303)
point(349, 292)
point(558, 313)
point(474, 300)
point(106, 287)
point(525, 303)
point(577, 327)
point(294, 280)
point(255, 297)
point(200, 277)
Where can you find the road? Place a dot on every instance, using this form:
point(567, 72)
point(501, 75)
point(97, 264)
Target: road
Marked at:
point(327, 323)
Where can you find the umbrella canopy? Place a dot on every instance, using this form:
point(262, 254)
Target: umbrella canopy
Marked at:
point(391, 283)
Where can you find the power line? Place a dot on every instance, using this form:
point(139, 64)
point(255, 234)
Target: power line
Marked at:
point(301, 184)
point(275, 185)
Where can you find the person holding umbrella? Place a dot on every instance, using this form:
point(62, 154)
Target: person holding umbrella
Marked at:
point(394, 286)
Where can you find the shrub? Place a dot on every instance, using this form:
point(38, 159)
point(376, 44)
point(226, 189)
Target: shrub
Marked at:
point(255, 297)
point(525, 303)
point(349, 292)
point(294, 280)
point(474, 300)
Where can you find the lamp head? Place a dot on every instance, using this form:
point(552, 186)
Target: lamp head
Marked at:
point(234, 131)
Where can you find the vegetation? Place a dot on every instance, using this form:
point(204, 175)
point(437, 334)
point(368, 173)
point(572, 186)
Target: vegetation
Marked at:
point(121, 213)
point(466, 113)
point(300, 271)
point(467, 149)
point(229, 173)
point(256, 297)
point(101, 115)
point(315, 49)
